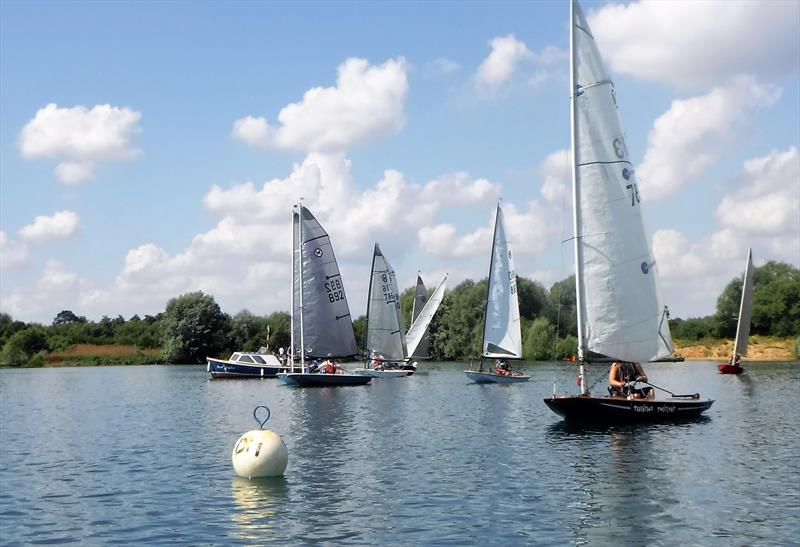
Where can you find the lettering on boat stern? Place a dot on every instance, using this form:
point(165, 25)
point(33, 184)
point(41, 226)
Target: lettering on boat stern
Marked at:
point(646, 409)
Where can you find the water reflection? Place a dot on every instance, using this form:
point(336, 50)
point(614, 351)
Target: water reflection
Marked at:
point(259, 504)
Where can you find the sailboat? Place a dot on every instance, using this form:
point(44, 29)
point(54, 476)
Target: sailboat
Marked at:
point(321, 326)
point(743, 323)
point(502, 338)
point(618, 310)
point(384, 341)
point(420, 299)
point(418, 331)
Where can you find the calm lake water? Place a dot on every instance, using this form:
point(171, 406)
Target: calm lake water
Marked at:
point(137, 455)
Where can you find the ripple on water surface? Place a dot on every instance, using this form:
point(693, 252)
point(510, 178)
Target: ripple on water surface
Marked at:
point(137, 455)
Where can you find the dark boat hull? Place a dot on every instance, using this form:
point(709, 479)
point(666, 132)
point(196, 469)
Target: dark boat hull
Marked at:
point(727, 368)
point(599, 410)
point(320, 380)
point(226, 369)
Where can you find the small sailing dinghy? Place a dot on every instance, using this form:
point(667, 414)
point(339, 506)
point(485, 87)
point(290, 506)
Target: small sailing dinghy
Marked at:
point(619, 312)
point(743, 324)
point(502, 339)
point(385, 340)
point(321, 327)
point(417, 334)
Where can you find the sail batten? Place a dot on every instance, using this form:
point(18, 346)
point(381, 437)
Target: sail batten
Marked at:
point(620, 314)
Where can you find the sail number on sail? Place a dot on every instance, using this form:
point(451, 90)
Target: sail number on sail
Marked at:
point(334, 289)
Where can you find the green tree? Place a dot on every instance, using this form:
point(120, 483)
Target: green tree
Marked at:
point(194, 327)
point(562, 309)
point(459, 323)
point(539, 342)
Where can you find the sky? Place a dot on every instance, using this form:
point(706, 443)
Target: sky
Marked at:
point(149, 149)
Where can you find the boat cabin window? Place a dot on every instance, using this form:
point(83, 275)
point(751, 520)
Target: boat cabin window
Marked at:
point(259, 359)
point(245, 359)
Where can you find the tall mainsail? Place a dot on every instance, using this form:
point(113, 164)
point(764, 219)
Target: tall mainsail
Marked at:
point(418, 329)
point(321, 316)
point(420, 298)
point(501, 331)
point(743, 324)
point(385, 336)
point(619, 313)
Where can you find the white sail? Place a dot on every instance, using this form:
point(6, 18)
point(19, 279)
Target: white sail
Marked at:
point(501, 331)
point(417, 331)
point(385, 336)
point(743, 325)
point(321, 316)
point(420, 298)
point(619, 308)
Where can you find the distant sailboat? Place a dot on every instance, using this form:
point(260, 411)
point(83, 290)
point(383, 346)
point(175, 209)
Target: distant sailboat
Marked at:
point(417, 333)
point(321, 327)
point(420, 299)
point(619, 312)
point(502, 338)
point(743, 323)
point(385, 341)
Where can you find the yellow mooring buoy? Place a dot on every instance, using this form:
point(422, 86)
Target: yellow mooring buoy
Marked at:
point(260, 452)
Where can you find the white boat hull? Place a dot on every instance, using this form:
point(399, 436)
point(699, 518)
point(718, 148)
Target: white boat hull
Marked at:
point(492, 378)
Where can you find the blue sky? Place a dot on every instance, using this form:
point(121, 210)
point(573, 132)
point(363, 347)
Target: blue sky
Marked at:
point(150, 149)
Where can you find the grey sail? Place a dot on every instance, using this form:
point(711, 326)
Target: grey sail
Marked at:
point(618, 302)
point(296, 283)
point(327, 328)
point(420, 299)
point(385, 336)
point(501, 332)
point(420, 326)
point(745, 309)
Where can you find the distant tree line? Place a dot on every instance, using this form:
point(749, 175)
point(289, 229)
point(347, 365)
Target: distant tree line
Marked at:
point(193, 326)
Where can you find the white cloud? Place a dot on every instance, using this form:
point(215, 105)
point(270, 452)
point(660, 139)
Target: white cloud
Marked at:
point(766, 204)
point(507, 56)
point(368, 101)
point(61, 225)
point(762, 212)
point(556, 170)
point(55, 277)
point(689, 138)
point(12, 254)
point(699, 42)
point(457, 189)
point(528, 232)
point(507, 52)
point(443, 65)
point(81, 136)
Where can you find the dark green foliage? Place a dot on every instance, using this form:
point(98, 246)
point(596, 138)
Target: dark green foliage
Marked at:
point(460, 322)
point(194, 327)
point(539, 340)
point(359, 326)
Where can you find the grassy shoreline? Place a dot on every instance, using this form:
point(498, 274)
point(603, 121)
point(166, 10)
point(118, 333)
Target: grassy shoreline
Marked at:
point(761, 348)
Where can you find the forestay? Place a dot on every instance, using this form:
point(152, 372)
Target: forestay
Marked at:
point(385, 335)
point(622, 315)
point(325, 315)
point(420, 326)
point(501, 331)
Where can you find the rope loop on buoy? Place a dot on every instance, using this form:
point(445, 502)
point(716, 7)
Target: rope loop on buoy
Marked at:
point(258, 420)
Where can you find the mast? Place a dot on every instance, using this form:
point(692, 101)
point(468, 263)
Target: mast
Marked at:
point(300, 248)
point(291, 304)
point(577, 224)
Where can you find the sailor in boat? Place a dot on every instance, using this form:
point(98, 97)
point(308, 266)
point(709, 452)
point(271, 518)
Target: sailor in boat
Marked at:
point(282, 356)
point(736, 362)
point(502, 367)
point(621, 379)
point(377, 361)
point(328, 367)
